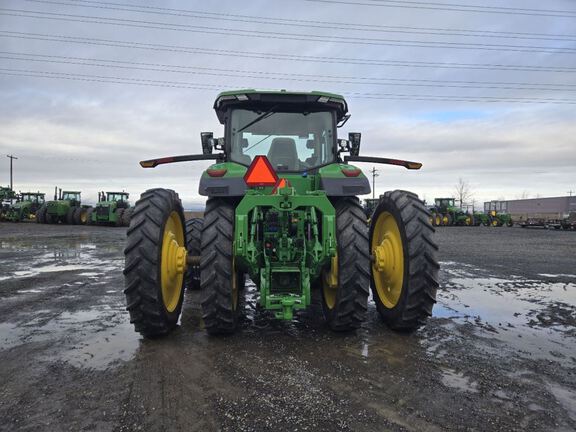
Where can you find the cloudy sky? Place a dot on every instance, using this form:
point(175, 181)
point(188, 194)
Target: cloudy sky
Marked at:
point(471, 88)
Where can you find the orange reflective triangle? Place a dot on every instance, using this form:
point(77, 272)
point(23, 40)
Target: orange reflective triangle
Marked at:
point(282, 183)
point(260, 173)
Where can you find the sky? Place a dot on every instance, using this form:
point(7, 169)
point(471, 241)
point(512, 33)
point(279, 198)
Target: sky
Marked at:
point(472, 89)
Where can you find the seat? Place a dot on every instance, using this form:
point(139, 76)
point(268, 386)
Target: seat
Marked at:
point(238, 156)
point(283, 155)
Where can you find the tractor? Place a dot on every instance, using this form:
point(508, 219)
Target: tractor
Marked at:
point(7, 195)
point(66, 208)
point(496, 218)
point(25, 207)
point(446, 213)
point(113, 208)
point(282, 209)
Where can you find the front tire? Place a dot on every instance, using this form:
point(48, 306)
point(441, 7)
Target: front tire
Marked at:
point(218, 275)
point(405, 267)
point(154, 266)
point(345, 286)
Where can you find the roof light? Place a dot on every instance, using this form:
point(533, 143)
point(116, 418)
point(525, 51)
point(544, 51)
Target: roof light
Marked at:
point(261, 173)
point(242, 97)
point(323, 99)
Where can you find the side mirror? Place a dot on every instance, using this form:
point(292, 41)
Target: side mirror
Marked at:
point(354, 138)
point(206, 138)
point(343, 146)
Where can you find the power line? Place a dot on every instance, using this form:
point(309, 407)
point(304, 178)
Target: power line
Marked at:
point(279, 35)
point(215, 87)
point(288, 57)
point(308, 23)
point(456, 7)
point(212, 71)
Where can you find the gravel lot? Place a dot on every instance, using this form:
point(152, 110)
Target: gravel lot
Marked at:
point(498, 355)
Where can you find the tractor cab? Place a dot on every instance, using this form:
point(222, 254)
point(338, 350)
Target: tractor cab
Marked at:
point(33, 197)
point(120, 199)
point(443, 204)
point(72, 196)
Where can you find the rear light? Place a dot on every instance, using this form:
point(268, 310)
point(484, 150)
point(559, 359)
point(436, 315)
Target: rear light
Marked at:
point(216, 172)
point(355, 172)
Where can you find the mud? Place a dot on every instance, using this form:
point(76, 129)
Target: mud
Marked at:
point(498, 355)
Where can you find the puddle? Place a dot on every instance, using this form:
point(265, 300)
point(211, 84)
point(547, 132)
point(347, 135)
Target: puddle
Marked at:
point(533, 317)
point(566, 398)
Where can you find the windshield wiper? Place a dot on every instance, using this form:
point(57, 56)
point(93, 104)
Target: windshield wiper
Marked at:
point(257, 119)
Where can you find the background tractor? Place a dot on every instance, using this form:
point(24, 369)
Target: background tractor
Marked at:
point(66, 208)
point(446, 213)
point(25, 207)
point(281, 208)
point(7, 195)
point(113, 208)
point(496, 218)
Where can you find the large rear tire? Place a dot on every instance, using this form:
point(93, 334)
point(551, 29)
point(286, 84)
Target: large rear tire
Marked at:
point(218, 275)
point(155, 262)
point(127, 216)
point(41, 214)
point(119, 217)
point(193, 245)
point(81, 216)
point(405, 267)
point(70, 220)
point(345, 285)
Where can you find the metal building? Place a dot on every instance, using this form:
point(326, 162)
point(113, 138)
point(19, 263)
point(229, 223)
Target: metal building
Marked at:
point(542, 208)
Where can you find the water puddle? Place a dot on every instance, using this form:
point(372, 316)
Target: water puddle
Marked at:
point(533, 317)
point(457, 380)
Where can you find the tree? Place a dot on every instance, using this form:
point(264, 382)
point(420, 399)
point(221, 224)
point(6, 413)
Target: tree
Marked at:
point(463, 191)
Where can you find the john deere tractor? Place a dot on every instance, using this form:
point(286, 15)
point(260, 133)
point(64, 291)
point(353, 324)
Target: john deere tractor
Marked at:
point(7, 195)
point(113, 208)
point(282, 209)
point(66, 208)
point(446, 213)
point(25, 207)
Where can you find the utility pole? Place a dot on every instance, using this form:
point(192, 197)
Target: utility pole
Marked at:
point(11, 157)
point(570, 192)
point(374, 175)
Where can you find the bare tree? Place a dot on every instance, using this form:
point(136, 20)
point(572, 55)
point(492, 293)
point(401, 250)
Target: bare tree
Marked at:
point(463, 191)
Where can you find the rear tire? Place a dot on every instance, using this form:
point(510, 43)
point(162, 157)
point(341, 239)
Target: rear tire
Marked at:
point(218, 276)
point(345, 306)
point(119, 217)
point(193, 245)
point(89, 216)
point(127, 216)
point(153, 213)
point(405, 285)
point(41, 214)
point(70, 219)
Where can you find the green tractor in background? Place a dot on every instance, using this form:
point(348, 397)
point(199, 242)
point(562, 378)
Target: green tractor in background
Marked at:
point(113, 208)
point(446, 213)
point(7, 195)
point(25, 207)
point(66, 208)
point(281, 208)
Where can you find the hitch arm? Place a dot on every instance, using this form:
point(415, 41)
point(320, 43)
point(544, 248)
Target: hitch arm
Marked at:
point(153, 163)
point(399, 162)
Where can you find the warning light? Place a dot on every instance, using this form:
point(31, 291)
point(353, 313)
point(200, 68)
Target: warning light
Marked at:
point(260, 173)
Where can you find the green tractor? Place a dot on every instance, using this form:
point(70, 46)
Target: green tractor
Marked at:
point(7, 195)
point(25, 207)
point(66, 208)
point(446, 213)
point(113, 208)
point(282, 209)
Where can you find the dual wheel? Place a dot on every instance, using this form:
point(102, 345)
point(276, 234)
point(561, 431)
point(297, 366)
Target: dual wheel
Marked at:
point(397, 258)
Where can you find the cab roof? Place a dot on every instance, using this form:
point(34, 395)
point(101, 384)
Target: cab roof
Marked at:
point(266, 99)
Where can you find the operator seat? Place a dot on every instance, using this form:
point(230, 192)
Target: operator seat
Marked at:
point(283, 155)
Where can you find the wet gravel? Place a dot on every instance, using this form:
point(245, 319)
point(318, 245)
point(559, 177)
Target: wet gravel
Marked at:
point(498, 355)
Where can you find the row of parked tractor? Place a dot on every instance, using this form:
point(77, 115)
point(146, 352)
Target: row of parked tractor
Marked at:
point(444, 212)
point(112, 208)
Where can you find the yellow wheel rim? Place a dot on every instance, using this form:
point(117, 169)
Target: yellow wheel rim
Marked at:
point(438, 220)
point(468, 220)
point(83, 217)
point(494, 222)
point(173, 264)
point(330, 283)
point(445, 220)
point(388, 264)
